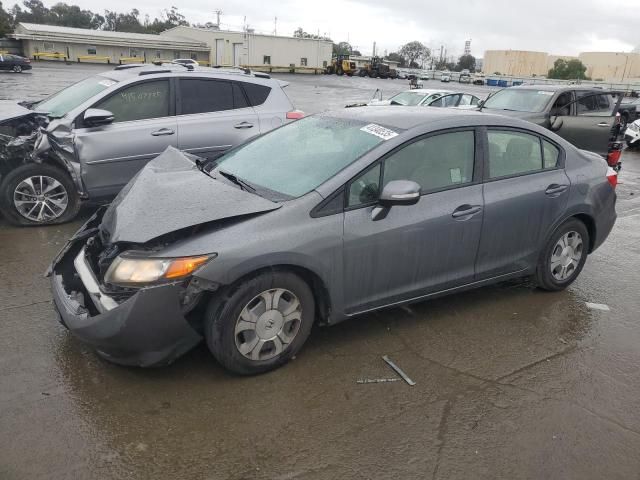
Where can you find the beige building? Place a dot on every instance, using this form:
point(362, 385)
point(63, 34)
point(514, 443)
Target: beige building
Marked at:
point(517, 63)
point(611, 66)
point(606, 66)
point(252, 49)
point(48, 41)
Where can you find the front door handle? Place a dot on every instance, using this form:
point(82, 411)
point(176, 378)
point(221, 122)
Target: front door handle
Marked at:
point(243, 125)
point(554, 189)
point(162, 131)
point(603, 124)
point(466, 211)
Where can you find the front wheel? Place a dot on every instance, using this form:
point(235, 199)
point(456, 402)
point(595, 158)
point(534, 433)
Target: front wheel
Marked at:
point(17, 68)
point(563, 256)
point(261, 324)
point(38, 194)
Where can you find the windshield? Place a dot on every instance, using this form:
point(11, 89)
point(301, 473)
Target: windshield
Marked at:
point(66, 100)
point(297, 158)
point(408, 99)
point(519, 100)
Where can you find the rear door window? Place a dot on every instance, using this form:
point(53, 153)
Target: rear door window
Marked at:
point(138, 102)
point(203, 95)
point(513, 153)
point(595, 104)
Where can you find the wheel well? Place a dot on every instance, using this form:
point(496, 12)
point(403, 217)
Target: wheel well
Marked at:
point(591, 228)
point(317, 286)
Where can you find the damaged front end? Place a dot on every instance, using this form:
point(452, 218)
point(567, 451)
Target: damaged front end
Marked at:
point(143, 326)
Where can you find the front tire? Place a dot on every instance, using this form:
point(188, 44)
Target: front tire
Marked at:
point(563, 256)
point(38, 194)
point(261, 323)
point(17, 69)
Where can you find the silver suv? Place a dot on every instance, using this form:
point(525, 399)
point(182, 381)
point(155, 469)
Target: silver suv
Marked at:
point(87, 141)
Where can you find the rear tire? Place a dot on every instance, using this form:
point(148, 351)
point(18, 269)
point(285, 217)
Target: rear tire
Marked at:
point(13, 194)
point(339, 71)
point(248, 347)
point(17, 69)
point(563, 256)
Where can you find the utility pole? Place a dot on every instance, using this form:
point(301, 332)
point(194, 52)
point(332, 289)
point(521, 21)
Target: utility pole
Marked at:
point(374, 49)
point(218, 13)
point(275, 26)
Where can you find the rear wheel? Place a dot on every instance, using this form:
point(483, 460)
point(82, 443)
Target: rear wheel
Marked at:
point(17, 68)
point(339, 71)
point(262, 323)
point(563, 256)
point(38, 194)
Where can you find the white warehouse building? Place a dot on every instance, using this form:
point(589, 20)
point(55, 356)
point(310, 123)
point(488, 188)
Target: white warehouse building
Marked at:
point(252, 49)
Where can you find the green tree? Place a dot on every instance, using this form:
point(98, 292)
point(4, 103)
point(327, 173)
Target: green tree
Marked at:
point(342, 48)
point(396, 57)
point(415, 52)
point(568, 70)
point(300, 33)
point(72, 16)
point(466, 62)
point(6, 22)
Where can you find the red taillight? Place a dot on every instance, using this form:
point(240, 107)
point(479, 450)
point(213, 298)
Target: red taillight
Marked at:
point(295, 115)
point(612, 177)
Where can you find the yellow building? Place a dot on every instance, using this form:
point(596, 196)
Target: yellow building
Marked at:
point(611, 66)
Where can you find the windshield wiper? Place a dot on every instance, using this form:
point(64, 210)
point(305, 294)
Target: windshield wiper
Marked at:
point(238, 181)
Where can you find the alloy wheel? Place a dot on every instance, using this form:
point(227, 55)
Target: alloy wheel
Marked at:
point(268, 324)
point(566, 256)
point(40, 198)
point(17, 68)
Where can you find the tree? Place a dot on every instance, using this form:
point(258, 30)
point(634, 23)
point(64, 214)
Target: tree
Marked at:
point(413, 52)
point(466, 62)
point(71, 16)
point(342, 48)
point(568, 70)
point(300, 33)
point(6, 22)
point(396, 57)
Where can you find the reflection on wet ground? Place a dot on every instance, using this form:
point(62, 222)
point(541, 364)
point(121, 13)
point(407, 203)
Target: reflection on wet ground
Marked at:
point(511, 382)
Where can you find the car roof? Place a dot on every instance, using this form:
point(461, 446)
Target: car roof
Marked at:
point(127, 72)
point(558, 88)
point(405, 118)
point(427, 91)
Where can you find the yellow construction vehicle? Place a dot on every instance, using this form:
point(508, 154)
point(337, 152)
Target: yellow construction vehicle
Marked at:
point(341, 65)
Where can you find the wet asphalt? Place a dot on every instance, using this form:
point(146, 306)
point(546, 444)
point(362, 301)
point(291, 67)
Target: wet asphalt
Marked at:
point(511, 382)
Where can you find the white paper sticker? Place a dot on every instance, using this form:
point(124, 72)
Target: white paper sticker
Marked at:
point(378, 131)
point(597, 306)
point(543, 92)
point(107, 83)
point(456, 175)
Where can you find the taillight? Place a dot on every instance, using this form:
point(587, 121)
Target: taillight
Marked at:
point(612, 177)
point(295, 115)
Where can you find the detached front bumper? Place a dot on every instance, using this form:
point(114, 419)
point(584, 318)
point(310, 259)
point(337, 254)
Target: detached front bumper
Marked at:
point(147, 329)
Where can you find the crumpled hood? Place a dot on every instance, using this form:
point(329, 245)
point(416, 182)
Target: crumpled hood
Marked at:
point(10, 109)
point(170, 193)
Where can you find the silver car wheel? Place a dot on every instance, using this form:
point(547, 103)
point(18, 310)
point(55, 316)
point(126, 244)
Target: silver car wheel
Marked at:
point(40, 198)
point(17, 69)
point(566, 256)
point(268, 324)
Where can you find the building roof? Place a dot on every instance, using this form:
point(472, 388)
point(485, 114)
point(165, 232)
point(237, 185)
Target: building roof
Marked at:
point(52, 33)
point(175, 33)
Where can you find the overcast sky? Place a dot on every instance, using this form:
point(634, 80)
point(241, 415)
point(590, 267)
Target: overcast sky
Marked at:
point(564, 27)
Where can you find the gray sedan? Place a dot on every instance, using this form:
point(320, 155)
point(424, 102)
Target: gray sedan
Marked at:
point(324, 219)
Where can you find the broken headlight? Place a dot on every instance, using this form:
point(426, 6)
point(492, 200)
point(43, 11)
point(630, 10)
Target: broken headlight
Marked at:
point(129, 270)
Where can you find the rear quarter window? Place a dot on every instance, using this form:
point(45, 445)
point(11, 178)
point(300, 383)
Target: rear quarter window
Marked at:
point(257, 94)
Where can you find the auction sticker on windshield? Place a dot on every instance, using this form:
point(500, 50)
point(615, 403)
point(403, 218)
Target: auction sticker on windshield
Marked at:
point(378, 131)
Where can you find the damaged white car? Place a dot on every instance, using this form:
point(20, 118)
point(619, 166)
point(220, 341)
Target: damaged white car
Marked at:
point(87, 141)
point(632, 134)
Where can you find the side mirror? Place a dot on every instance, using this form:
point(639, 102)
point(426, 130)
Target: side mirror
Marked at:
point(480, 104)
point(94, 117)
point(555, 122)
point(400, 192)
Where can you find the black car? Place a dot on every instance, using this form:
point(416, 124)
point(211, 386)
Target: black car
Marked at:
point(14, 63)
point(585, 116)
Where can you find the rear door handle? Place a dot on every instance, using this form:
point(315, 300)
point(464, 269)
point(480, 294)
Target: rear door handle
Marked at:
point(162, 131)
point(464, 211)
point(243, 125)
point(555, 189)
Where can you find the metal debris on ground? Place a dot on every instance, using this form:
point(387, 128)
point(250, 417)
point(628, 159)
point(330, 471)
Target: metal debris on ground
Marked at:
point(378, 380)
point(597, 306)
point(398, 370)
